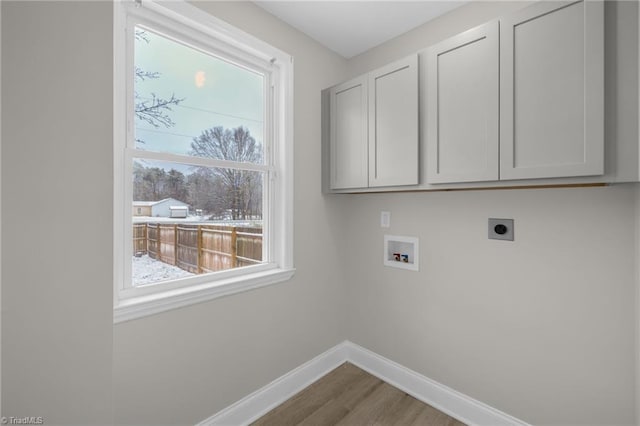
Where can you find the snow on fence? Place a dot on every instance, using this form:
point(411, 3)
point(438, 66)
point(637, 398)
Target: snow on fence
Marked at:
point(199, 248)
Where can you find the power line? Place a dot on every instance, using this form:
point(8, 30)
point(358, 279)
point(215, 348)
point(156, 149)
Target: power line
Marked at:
point(219, 113)
point(166, 133)
point(210, 111)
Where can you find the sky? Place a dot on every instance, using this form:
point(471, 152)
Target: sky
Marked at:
point(215, 92)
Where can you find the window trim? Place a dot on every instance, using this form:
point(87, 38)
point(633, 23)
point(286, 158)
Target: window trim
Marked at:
point(136, 302)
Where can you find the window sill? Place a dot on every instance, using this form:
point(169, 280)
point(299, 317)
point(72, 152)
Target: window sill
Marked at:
point(142, 306)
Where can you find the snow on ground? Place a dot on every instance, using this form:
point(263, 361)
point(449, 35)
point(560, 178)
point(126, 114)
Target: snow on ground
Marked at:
point(147, 270)
point(140, 219)
point(194, 220)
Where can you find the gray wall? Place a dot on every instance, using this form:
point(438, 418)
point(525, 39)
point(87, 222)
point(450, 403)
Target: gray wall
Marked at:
point(543, 328)
point(183, 366)
point(60, 358)
point(57, 303)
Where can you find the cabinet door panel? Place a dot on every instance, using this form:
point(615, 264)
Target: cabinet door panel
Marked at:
point(462, 107)
point(348, 141)
point(552, 81)
point(393, 124)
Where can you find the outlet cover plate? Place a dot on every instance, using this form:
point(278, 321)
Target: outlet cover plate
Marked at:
point(385, 219)
point(494, 228)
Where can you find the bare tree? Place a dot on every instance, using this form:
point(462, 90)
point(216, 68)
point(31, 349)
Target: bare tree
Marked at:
point(224, 144)
point(154, 183)
point(154, 110)
point(242, 189)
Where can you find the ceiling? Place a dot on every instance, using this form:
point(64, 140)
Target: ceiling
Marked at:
point(352, 27)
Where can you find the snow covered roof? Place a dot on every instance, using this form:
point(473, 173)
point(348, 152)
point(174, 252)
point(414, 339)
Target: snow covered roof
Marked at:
point(153, 203)
point(144, 203)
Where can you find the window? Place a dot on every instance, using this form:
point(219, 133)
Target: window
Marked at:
point(203, 159)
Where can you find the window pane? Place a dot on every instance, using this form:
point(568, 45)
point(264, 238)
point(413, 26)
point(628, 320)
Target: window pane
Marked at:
point(190, 220)
point(191, 103)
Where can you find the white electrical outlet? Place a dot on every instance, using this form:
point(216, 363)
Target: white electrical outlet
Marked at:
point(385, 219)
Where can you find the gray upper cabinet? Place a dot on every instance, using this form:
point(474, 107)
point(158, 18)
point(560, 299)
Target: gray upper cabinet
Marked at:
point(348, 135)
point(519, 99)
point(552, 91)
point(462, 107)
point(393, 124)
point(374, 128)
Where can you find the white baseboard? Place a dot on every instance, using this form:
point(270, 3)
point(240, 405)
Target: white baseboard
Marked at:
point(445, 399)
point(260, 402)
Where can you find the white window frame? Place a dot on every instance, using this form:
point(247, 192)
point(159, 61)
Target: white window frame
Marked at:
point(201, 30)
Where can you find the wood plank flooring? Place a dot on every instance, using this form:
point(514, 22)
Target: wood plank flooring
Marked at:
point(349, 396)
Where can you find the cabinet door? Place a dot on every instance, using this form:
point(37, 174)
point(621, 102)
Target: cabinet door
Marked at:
point(552, 91)
point(348, 140)
point(393, 124)
point(462, 107)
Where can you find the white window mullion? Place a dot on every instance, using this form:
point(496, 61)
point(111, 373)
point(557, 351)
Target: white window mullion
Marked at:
point(122, 109)
point(196, 161)
point(130, 83)
point(127, 249)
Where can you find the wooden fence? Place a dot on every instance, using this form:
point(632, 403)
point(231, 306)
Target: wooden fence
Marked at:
point(199, 248)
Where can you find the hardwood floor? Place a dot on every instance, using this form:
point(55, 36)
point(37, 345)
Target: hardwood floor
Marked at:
point(349, 396)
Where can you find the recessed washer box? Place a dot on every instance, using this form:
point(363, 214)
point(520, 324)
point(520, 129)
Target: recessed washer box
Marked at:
point(401, 252)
